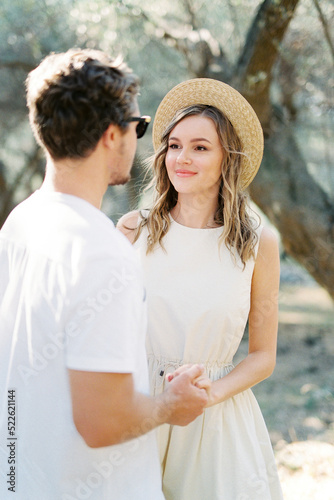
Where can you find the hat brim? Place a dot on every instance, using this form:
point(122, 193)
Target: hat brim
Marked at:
point(228, 100)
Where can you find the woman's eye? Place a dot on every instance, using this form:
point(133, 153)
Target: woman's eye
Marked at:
point(173, 146)
point(201, 148)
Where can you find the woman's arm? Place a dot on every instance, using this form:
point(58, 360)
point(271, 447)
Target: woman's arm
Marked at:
point(128, 225)
point(263, 324)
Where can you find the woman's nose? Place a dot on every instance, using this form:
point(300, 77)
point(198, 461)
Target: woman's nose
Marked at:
point(183, 156)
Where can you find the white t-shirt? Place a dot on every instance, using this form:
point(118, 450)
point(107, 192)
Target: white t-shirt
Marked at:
point(71, 296)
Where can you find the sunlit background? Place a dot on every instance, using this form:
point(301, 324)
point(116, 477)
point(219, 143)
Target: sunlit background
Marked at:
point(165, 42)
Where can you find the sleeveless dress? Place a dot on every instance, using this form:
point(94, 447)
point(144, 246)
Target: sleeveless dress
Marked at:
point(198, 304)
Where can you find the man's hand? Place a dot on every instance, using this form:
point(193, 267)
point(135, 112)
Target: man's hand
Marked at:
point(183, 401)
point(107, 409)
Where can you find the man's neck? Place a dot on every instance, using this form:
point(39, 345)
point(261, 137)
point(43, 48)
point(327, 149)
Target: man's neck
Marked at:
point(75, 177)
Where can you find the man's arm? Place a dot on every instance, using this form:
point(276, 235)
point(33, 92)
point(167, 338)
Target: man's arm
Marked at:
point(107, 410)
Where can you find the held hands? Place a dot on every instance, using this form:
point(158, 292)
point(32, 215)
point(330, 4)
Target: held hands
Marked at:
point(186, 395)
point(202, 382)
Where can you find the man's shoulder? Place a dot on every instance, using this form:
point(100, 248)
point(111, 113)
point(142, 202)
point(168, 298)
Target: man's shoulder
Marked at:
point(65, 229)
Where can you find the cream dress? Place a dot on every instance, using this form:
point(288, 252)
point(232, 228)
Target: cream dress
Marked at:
point(198, 305)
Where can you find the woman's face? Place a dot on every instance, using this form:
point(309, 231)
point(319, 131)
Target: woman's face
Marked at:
point(194, 156)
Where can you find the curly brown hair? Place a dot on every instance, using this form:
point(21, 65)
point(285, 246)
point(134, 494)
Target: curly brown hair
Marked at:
point(74, 96)
point(239, 232)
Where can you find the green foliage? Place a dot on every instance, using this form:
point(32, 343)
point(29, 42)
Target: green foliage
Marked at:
point(160, 40)
point(29, 30)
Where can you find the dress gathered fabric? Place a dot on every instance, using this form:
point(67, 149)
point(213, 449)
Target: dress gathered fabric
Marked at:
point(198, 299)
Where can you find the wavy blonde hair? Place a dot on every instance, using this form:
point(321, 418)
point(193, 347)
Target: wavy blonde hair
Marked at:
point(239, 233)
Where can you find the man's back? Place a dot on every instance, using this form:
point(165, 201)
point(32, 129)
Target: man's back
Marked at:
point(70, 297)
point(73, 370)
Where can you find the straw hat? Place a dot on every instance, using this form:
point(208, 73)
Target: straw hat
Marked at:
point(230, 102)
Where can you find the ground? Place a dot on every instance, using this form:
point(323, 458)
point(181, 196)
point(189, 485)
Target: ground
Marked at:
point(297, 401)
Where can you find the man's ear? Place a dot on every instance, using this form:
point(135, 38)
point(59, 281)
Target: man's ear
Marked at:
point(112, 136)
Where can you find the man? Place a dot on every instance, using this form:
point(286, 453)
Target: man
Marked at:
point(75, 417)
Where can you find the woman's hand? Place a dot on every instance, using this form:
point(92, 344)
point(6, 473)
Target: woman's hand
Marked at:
point(202, 382)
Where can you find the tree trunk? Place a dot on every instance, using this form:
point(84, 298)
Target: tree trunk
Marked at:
point(291, 198)
point(297, 206)
point(253, 74)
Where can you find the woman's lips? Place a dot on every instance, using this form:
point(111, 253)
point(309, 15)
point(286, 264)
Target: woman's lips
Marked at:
point(185, 173)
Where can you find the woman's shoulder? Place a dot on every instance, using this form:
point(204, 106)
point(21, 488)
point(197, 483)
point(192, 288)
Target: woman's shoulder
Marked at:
point(268, 238)
point(129, 222)
point(268, 250)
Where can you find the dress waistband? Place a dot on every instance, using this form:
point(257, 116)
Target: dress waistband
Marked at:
point(160, 367)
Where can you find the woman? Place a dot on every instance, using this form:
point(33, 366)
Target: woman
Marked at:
point(210, 268)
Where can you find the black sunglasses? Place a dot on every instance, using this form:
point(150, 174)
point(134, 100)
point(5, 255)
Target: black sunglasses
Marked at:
point(143, 122)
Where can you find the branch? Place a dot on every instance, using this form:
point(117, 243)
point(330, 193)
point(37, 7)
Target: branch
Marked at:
point(18, 65)
point(236, 24)
point(203, 54)
point(325, 27)
point(191, 11)
point(253, 72)
point(141, 13)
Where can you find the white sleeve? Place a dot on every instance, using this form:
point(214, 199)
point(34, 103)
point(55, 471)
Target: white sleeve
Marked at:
point(103, 328)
